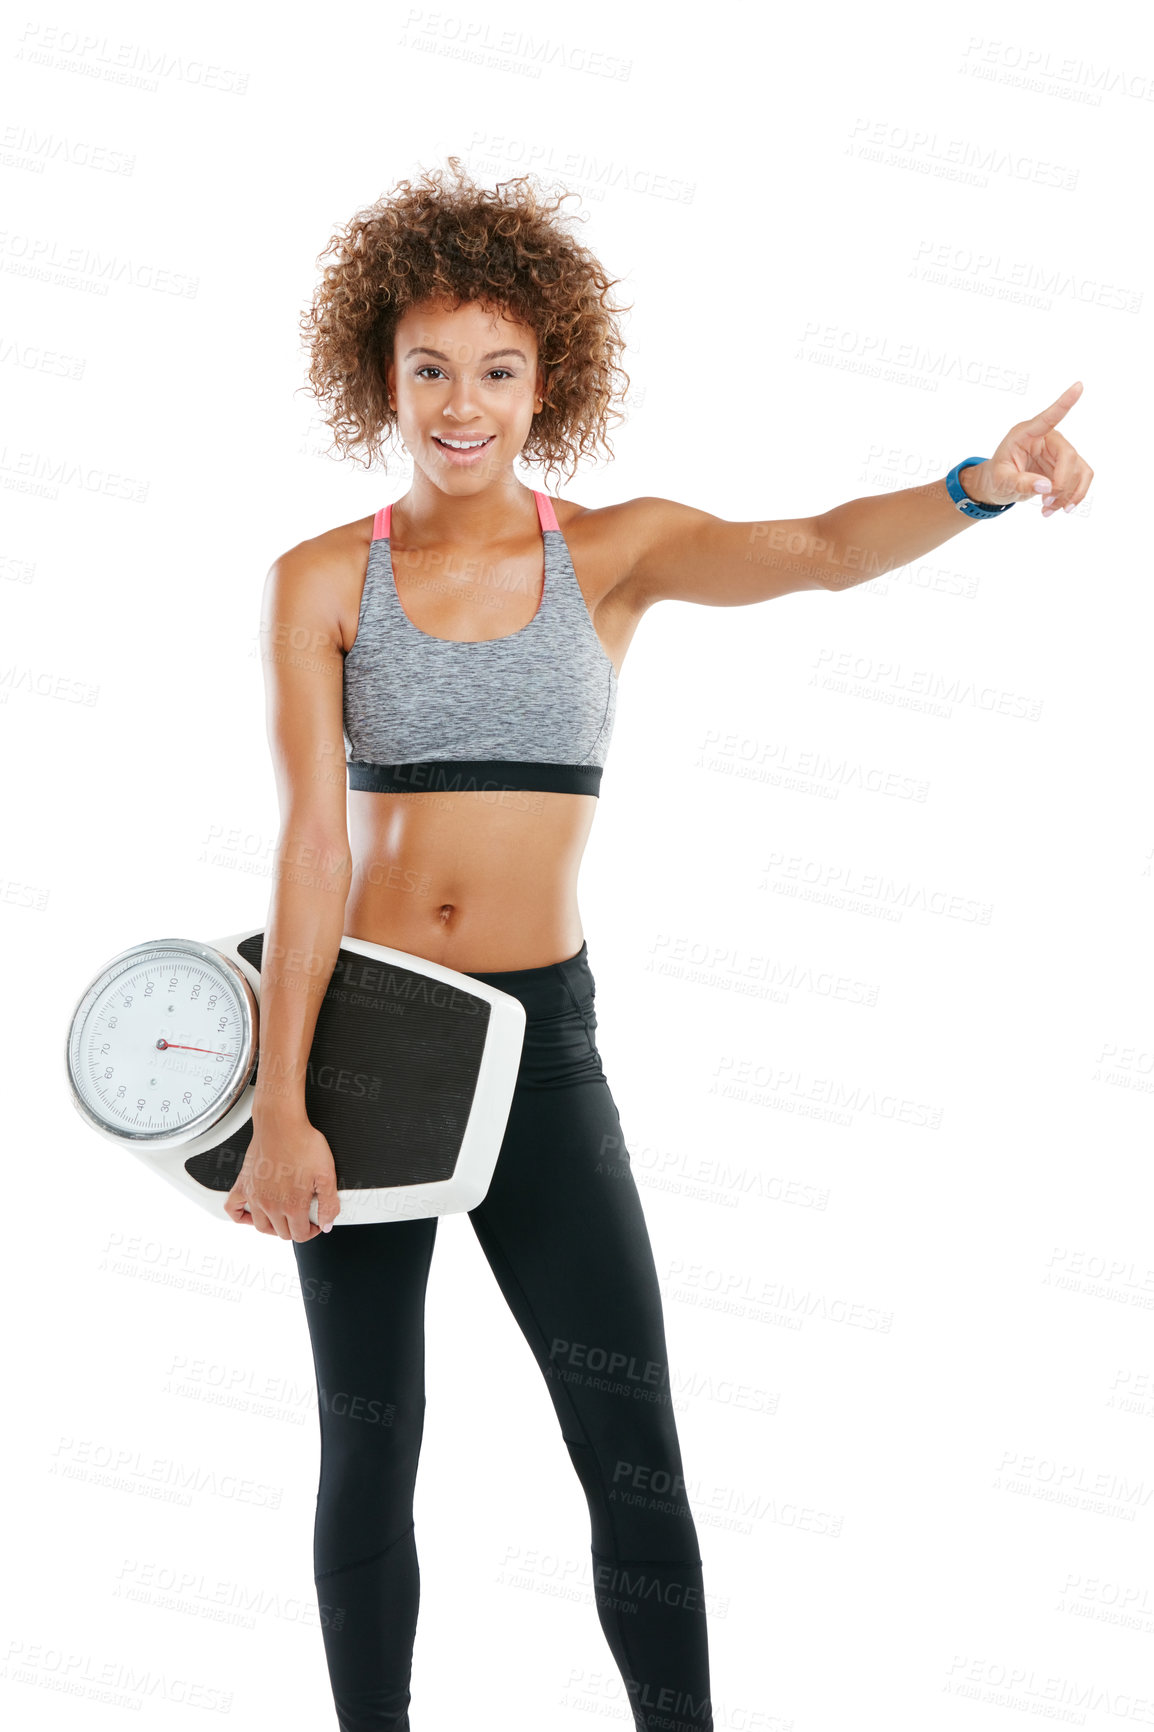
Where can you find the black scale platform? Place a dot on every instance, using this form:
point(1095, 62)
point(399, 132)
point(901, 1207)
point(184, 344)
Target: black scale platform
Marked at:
point(391, 1077)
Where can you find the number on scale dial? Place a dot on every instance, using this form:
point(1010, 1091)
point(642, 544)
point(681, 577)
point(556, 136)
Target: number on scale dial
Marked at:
point(163, 1041)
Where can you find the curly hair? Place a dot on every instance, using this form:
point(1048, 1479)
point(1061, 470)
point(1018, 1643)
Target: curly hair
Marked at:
point(505, 248)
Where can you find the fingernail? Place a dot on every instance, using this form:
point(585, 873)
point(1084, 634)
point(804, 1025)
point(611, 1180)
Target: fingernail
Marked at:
point(327, 1229)
point(1042, 487)
point(1069, 507)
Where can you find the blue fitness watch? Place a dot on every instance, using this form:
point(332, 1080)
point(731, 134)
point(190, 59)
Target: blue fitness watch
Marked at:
point(962, 499)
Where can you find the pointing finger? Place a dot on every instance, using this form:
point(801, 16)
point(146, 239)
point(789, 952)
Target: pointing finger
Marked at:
point(1048, 418)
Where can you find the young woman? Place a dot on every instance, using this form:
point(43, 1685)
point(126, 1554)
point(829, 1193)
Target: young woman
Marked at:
point(459, 651)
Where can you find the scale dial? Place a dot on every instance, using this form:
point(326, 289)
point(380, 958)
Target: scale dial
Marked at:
point(163, 1042)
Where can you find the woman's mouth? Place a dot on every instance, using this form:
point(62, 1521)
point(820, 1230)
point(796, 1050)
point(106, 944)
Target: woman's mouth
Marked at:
point(463, 450)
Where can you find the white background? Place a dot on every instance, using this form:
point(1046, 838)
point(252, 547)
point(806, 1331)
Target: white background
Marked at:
point(907, 1256)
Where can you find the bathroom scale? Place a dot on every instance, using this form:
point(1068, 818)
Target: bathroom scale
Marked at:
point(410, 1074)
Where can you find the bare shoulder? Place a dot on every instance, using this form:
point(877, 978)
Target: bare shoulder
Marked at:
point(663, 550)
point(611, 543)
point(630, 522)
point(318, 581)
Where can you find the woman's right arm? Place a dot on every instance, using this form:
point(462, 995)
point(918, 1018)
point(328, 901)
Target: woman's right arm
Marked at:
point(288, 1160)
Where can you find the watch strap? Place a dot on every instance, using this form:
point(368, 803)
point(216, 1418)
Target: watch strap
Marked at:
point(961, 498)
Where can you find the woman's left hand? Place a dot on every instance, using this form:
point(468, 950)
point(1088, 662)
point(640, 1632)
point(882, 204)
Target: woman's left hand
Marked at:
point(1033, 453)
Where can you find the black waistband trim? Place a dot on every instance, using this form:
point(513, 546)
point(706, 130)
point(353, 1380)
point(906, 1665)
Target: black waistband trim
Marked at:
point(471, 775)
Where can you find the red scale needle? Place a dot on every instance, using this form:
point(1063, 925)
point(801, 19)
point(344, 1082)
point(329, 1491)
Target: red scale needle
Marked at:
point(180, 1047)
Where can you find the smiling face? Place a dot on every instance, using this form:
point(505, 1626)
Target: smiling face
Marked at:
point(469, 376)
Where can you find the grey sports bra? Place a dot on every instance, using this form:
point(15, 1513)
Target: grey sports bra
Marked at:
point(533, 709)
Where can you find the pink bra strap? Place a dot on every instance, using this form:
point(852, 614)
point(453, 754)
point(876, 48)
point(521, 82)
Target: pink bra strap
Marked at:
point(382, 522)
point(545, 510)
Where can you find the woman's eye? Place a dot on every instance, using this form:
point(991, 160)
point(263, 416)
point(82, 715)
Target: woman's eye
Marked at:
point(431, 367)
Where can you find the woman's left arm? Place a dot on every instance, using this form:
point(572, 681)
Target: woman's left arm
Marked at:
point(682, 554)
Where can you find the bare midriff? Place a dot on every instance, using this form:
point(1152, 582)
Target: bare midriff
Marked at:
point(477, 881)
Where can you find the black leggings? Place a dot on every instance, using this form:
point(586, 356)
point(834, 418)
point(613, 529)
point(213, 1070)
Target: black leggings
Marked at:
point(564, 1233)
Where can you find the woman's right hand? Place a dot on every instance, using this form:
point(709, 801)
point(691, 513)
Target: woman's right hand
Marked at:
point(287, 1163)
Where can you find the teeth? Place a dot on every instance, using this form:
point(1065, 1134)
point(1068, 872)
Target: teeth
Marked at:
point(461, 444)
